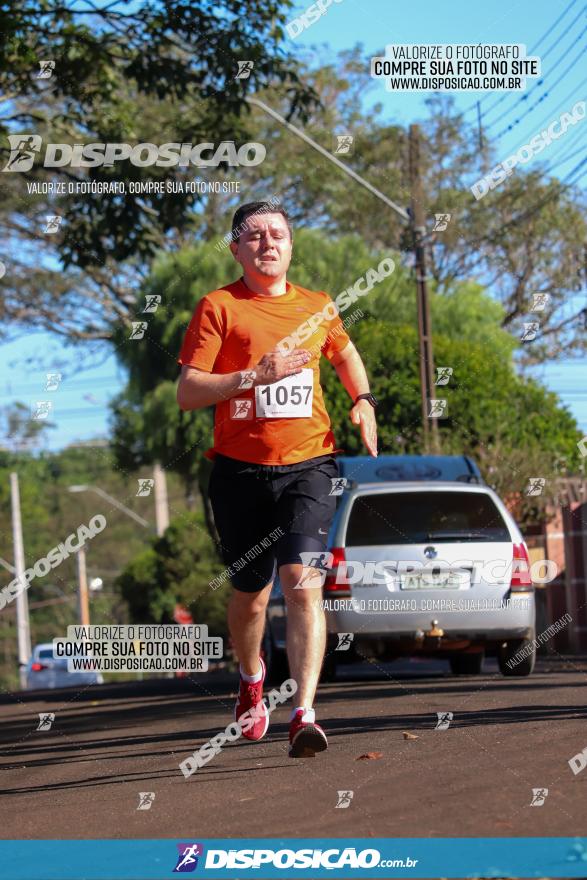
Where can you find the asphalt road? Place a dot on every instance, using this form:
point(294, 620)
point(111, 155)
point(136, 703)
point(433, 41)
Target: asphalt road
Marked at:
point(82, 778)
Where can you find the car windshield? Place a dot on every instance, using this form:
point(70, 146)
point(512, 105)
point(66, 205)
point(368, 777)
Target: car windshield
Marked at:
point(46, 654)
point(418, 517)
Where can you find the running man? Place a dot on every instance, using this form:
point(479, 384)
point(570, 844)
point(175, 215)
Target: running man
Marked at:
point(273, 452)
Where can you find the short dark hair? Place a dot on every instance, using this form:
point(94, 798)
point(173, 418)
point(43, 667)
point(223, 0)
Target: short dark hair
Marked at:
point(270, 207)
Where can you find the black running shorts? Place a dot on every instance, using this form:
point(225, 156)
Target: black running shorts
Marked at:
point(267, 515)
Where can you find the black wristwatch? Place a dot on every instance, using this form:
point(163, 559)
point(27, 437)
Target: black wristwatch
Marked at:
point(370, 397)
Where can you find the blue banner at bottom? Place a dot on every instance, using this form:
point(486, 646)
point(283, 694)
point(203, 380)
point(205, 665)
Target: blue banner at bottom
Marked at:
point(229, 858)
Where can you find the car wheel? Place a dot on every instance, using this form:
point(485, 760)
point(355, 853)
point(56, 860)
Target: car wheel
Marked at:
point(467, 664)
point(517, 657)
point(275, 660)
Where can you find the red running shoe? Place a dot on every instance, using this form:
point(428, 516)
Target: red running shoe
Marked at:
point(305, 738)
point(250, 699)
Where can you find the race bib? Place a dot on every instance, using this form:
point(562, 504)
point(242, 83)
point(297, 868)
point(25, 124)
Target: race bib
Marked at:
point(290, 398)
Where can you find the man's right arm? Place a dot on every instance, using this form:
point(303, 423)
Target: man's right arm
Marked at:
point(197, 388)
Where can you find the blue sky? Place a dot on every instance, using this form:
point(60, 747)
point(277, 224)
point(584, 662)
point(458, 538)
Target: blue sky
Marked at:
point(81, 412)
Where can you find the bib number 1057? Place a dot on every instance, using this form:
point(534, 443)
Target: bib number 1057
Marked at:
point(289, 398)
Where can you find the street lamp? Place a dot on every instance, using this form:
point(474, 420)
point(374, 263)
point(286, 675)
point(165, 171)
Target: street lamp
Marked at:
point(115, 503)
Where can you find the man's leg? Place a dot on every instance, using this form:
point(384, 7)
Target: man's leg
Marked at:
point(306, 628)
point(246, 622)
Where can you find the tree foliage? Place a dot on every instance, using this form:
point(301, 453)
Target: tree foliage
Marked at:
point(178, 567)
point(490, 405)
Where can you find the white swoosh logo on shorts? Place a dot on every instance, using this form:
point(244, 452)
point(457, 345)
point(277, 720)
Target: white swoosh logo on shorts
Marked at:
point(321, 532)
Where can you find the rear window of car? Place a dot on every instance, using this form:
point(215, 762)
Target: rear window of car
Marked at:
point(419, 517)
point(46, 654)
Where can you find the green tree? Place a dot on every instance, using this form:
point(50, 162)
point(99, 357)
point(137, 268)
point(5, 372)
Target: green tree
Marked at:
point(178, 567)
point(490, 406)
point(124, 73)
point(512, 426)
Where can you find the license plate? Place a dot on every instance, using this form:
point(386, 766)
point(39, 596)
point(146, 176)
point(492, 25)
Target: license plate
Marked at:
point(445, 580)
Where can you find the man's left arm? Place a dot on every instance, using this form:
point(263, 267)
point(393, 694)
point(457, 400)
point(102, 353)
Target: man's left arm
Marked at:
point(351, 372)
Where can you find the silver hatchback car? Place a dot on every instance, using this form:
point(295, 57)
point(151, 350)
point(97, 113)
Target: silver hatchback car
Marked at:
point(44, 670)
point(424, 558)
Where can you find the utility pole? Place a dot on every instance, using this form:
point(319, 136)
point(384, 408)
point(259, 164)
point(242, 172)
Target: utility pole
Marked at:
point(479, 126)
point(22, 603)
point(418, 229)
point(83, 596)
point(161, 505)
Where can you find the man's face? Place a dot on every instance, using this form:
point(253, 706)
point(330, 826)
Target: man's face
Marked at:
point(264, 247)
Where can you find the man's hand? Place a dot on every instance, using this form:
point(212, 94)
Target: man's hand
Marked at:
point(275, 365)
point(363, 414)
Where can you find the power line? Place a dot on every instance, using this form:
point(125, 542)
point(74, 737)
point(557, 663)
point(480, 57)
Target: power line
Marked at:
point(64, 385)
point(544, 95)
point(564, 159)
point(563, 103)
point(503, 97)
point(533, 49)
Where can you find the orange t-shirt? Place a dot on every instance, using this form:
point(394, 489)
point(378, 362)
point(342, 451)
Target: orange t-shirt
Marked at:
point(231, 329)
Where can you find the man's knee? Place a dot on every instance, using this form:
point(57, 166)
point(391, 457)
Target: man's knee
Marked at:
point(304, 590)
point(297, 579)
point(251, 604)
